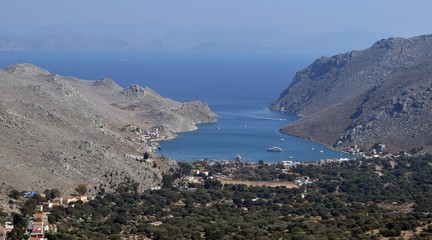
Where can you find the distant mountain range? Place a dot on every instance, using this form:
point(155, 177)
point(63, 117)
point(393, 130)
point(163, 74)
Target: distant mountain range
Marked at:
point(379, 95)
point(250, 39)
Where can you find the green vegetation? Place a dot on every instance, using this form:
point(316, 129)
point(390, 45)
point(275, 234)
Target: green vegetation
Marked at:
point(14, 194)
point(51, 194)
point(81, 189)
point(358, 199)
point(3, 216)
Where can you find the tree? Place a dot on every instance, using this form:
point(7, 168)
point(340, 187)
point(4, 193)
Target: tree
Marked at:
point(38, 198)
point(81, 189)
point(20, 224)
point(167, 180)
point(212, 184)
point(51, 194)
point(15, 194)
point(3, 215)
point(146, 156)
point(184, 168)
point(29, 207)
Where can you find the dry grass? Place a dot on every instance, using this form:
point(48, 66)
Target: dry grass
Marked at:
point(403, 208)
point(260, 183)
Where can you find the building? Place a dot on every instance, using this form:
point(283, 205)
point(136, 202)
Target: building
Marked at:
point(28, 194)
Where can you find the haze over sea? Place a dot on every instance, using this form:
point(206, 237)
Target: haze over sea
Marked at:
point(238, 87)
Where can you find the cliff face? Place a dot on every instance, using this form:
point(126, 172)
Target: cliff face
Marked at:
point(57, 131)
point(378, 95)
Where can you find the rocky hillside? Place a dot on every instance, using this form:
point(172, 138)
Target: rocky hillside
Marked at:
point(59, 131)
point(378, 95)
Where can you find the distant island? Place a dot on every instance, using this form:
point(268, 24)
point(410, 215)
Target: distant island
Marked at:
point(243, 39)
point(78, 162)
point(358, 100)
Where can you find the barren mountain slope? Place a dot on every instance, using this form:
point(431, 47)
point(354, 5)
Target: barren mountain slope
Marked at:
point(57, 131)
point(378, 95)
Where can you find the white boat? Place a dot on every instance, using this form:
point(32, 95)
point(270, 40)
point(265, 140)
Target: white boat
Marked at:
point(274, 149)
point(282, 140)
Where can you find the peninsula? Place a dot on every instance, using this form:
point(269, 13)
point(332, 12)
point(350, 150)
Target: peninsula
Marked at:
point(57, 131)
point(361, 99)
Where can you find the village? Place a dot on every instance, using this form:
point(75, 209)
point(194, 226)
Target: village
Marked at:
point(277, 174)
point(146, 139)
point(38, 225)
point(238, 172)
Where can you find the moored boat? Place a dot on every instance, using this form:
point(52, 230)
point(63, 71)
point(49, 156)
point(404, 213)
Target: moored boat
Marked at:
point(274, 149)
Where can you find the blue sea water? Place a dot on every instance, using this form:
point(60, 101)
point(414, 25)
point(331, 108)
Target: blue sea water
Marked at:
point(238, 87)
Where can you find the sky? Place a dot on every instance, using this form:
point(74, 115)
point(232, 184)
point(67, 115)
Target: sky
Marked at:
point(391, 17)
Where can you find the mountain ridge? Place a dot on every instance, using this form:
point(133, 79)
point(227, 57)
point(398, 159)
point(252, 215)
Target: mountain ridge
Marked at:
point(377, 95)
point(59, 131)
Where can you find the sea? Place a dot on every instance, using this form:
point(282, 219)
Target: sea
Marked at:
point(238, 87)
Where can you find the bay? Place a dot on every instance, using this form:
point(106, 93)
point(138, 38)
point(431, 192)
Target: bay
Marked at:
point(238, 87)
point(247, 131)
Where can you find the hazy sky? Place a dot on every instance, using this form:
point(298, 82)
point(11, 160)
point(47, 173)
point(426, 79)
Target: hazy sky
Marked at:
point(392, 17)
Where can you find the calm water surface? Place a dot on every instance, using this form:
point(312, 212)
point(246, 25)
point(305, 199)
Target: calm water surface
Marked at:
point(239, 87)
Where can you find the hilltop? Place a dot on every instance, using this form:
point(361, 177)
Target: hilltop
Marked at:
point(377, 95)
point(59, 131)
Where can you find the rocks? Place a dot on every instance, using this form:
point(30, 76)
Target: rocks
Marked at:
point(66, 130)
point(134, 91)
point(378, 95)
point(107, 83)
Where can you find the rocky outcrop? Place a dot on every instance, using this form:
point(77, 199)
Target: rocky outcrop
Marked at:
point(107, 83)
point(378, 95)
point(59, 131)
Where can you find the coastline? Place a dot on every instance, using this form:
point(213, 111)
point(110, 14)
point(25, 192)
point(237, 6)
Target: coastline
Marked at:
point(248, 131)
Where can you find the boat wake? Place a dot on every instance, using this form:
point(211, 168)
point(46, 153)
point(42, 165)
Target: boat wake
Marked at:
point(251, 116)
